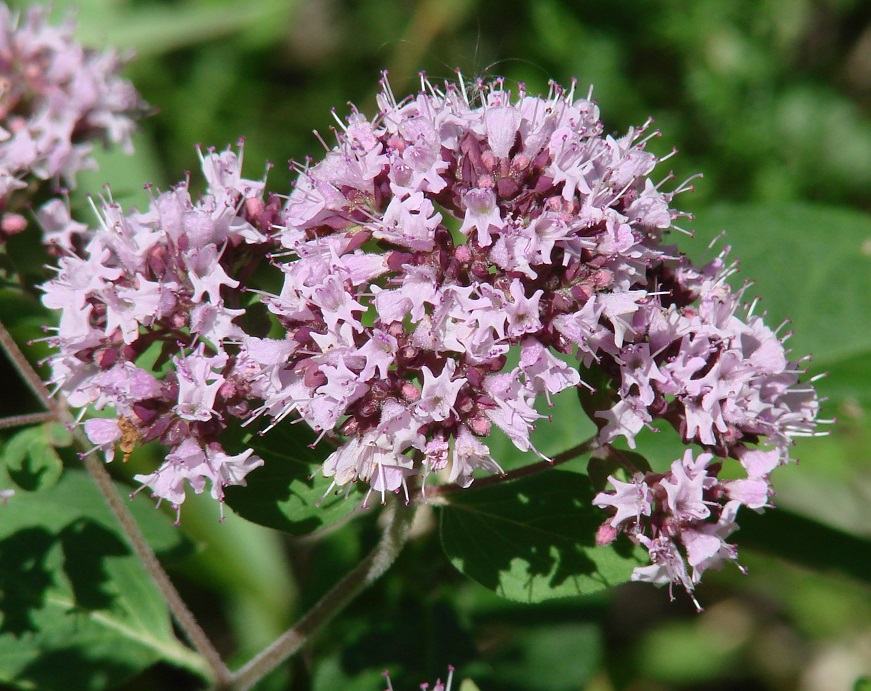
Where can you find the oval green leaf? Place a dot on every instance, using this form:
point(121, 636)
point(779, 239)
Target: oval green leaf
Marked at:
point(30, 457)
point(532, 539)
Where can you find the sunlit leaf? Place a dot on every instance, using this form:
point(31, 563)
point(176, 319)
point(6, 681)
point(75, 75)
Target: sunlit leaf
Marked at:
point(533, 539)
point(30, 457)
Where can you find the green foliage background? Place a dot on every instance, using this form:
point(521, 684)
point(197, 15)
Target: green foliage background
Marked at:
point(771, 100)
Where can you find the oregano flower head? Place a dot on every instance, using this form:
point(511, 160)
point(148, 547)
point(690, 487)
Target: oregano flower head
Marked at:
point(56, 99)
point(448, 266)
point(443, 255)
point(154, 287)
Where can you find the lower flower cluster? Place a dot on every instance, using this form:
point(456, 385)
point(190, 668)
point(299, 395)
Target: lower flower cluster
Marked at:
point(682, 517)
point(726, 385)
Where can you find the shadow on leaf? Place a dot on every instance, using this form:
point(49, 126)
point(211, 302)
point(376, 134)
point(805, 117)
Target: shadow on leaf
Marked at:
point(86, 546)
point(24, 578)
point(73, 667)
point(28, 570)
point(31, 460)
point(532, 539)
point(288, 492)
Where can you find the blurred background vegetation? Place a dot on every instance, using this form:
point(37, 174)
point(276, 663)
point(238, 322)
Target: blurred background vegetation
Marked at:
point(770, 99)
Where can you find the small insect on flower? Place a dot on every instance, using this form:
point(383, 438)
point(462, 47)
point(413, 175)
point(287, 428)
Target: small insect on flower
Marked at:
point(130, 437)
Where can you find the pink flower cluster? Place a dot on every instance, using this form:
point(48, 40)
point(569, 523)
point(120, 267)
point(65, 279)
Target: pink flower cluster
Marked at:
point(442, 268)
point(443, 255)
point(56, 98)
point(684, 516)
point(725, 384)
point(154, 287)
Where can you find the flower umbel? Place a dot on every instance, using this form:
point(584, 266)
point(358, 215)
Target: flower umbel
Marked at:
point(56, 99)
point(159, 280)
point(442, 270)
point(433, 241)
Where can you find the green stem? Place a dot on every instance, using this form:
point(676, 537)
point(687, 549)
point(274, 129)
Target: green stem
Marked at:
point(28, 419)
point(584, 447)
point(363, 575)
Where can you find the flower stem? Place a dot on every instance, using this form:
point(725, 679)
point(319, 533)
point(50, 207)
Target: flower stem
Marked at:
point(584, 447)
point(28, 419)
point(103, 480)
point(364, 574)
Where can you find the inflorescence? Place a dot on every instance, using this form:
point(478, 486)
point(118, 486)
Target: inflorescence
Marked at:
point(444, 268)
point(56, 99)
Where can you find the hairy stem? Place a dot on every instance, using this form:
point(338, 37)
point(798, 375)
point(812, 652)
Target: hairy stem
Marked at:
point(182, 615)
point(364, 574)
point(28, 419)
point(584, 447)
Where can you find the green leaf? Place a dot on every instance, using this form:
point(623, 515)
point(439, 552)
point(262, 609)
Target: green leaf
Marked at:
point(533, 539)
point(78, 610)
point(30, 457)
point(58, 435)
point(288, 492)
point(156, 29)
